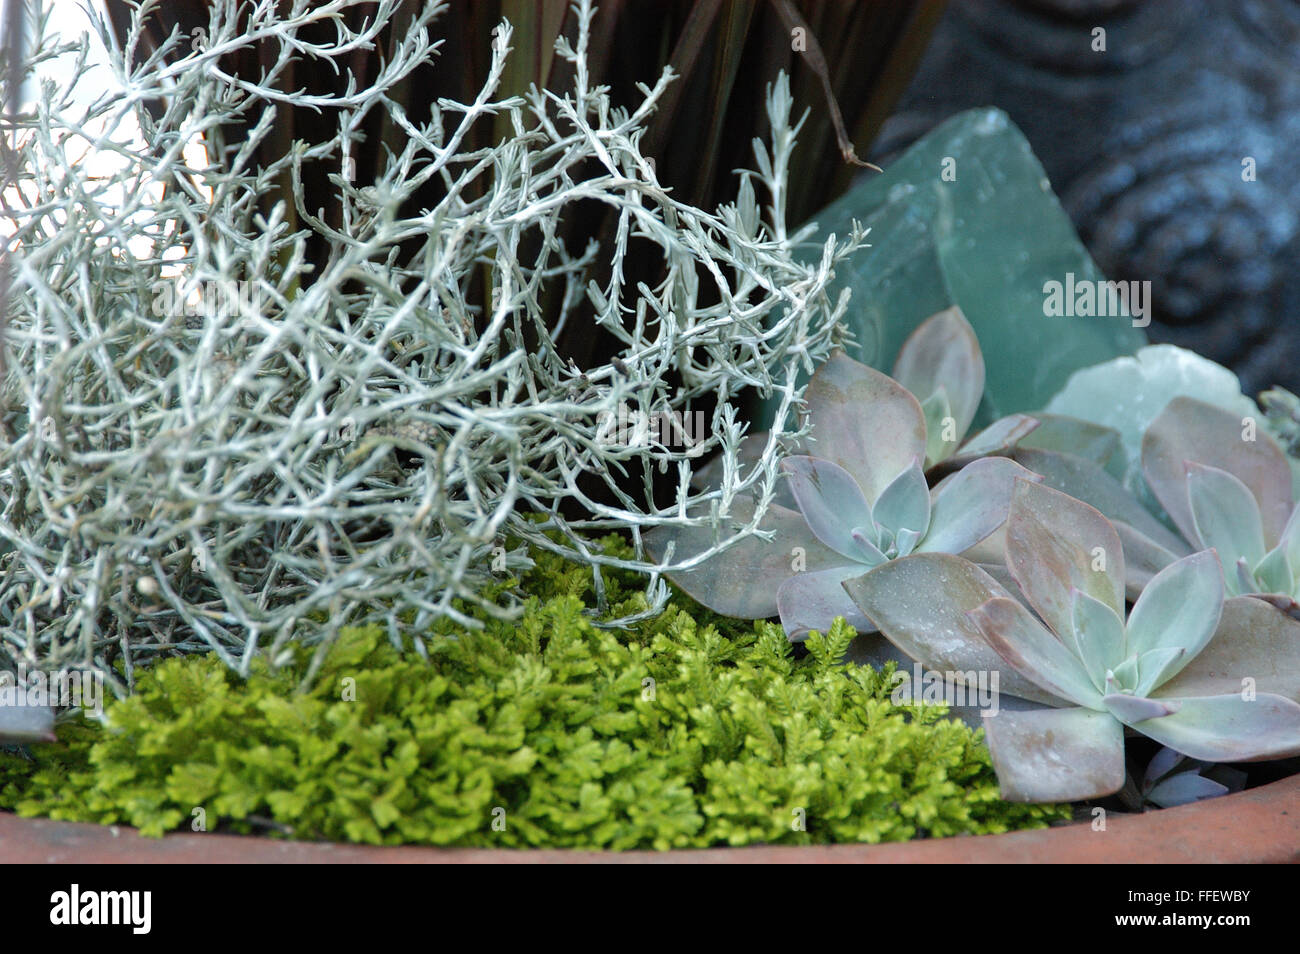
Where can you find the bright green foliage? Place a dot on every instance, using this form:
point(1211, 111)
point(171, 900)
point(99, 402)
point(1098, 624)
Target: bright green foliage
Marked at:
point(549, 718)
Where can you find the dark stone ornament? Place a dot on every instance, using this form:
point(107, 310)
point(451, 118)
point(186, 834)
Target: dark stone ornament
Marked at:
point(1169, 129)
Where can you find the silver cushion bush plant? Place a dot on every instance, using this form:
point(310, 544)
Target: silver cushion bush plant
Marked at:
point(210, 443)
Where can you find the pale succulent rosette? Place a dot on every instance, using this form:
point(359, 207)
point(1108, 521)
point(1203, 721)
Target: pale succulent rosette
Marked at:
point(1217, 476)
point(1226, 485)
point(1214, 679)
point(859, 496)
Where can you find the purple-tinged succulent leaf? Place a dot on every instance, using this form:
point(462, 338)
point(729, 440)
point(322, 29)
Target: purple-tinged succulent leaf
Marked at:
point(920, 604)
point(1180, 609)
point(1228, 728)
point(1098, 635)
point(832, 504)
point(1032, 650)
point(1188, 430)
point(1254, 641)
point(1173, 779)
point(1089, 482)
point(1282, 602)
point(1162, 763)
point(943, 352)
point(1056, 755)
point(743, 580)
point(1056, 543)
point(1225, 514)
point(1059, 432)
point(1185, 788)
point(811, 601)
point(1143, 558)
point(864, 421)
point(905, 503)
point(996, 439)
point(1148, 545)
point(971, 504)
point(1129, 709)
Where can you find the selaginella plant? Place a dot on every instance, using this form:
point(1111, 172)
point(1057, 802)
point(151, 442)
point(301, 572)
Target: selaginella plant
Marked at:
point(210, 443)
point(1215, 680)
point(1226, 485)
point(684, 730)
point(859, 492)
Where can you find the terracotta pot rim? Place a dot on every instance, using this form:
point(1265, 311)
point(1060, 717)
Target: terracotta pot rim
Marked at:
point(1261, 825)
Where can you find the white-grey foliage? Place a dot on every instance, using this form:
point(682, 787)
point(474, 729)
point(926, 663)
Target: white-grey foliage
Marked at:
point(226, 480)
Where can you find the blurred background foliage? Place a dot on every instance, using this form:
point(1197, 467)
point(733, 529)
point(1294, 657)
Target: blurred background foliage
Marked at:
point(860, 56)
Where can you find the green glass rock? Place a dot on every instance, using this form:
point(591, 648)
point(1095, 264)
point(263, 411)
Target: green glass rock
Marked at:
point(967, 217)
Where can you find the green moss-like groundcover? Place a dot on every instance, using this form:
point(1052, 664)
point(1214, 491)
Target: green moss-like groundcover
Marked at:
point(687, 730)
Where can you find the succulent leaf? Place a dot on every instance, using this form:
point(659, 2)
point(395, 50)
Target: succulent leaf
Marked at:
point(832, 503)
point(812, 601)
point(864, 421)
point(1188, 430)
point(743, 580)
point(905, 542)
point(938, 421)
point(1061, 433)
point(1253, 640)
point(1032, 650)
point(943, 353)
point(1130, 708)
point(1183, 789)
point(998, 438)
point(1098, 635)
point(905, 502)
point(1056, 754)
point(1290, 541)
point(1224, 514)
point(1089, 482)
point(1124, 675)
point(866, 540)
point(920, 604)
point(1155, 666)
point(22, 723)
point(1055, 544)
point(1273, 574)
point(972, 503)
point(1180, 608)
point(1228, 728)
point(1128, 392)
point(1143, 558)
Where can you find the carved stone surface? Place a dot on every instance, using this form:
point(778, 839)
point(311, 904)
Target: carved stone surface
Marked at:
point(1172, 149)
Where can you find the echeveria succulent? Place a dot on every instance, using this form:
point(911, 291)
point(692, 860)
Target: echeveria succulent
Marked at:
point(1227, 486)
point(1213, 679)
point(861, 501)
point(1127, 393)
point(1173, 779)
